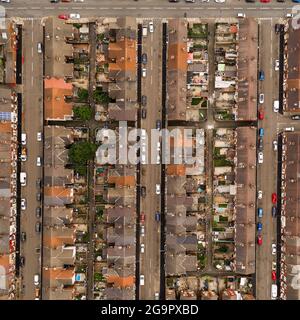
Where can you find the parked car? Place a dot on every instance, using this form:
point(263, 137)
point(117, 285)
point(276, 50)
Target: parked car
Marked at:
point(38, 183)
point(274, 249)
point(259, 226)
point(260, 157)
point(38, 212)
point(22, 261)
point(289, 129)
point(157, 216)
point(144, 58)
point(275, 145)
point(260, 144)
point(74, 16)
point(142, 217)
point(38, 227)
point(274, 198)
point(274, 265)
point(23, 204)
point(142, 247)
point(274, 277)
point(151, 27)
point(261, 132)
point(40, 47)
point(36, 279)
point(144, 101)
point(156, 296)
point(144, 72)
point(261, 115)
point(144, 113)
point(261, 98)
point(158, 124)
point(142, 231)
point(143, 191)
point(259, 194)
point(276, 65)
point(260, 212)
point(63, 17)
point(295, 117)
point(142, 280)
point(259, 240)
point(274, 211)
point(157, 188)
point(261, 75)
point(38, 161)
point(38, 197)
point(39, 136)
point(23, 236)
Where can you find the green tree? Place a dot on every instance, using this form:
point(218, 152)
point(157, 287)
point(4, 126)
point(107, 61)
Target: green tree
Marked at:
point(100, 96)
point(83, 95)
point(83, 112)
point(80, 153)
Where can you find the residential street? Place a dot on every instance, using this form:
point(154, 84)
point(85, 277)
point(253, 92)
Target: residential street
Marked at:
point(32, 123)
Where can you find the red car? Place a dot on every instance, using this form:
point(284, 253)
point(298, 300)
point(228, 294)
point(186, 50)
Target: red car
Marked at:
point(142, 217)
point(265, 1)
point(274, 197)
point(63, 16)
point(261, 115)
point(259, 240)
point(274, 275)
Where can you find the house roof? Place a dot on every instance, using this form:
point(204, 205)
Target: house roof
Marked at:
point(57, 196)
point(56, 107)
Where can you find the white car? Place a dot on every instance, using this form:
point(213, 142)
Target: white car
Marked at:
point(241, 15)
point(23, 204)
point(144, 72)
point(39, 136)
point(276, 66)
point(291, 129)
point(273, 249)
point(142, 231)
point(259, 194)
point(289, 15)
point(74, 16)
point(142, 247)
point(274, 266)
point(151, 27)
point(261, 98)
point(157, 188)
point(275, 145)
point(142, 280)
point(260, 157)
point(38, 161)
point(219, 1)
point(78, 0)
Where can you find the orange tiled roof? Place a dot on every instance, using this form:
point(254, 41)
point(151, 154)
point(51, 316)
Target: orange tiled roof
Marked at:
point(4, 261)
point(5, 127)
point(59, 273)
point(178, 56)
point(124, 51)
point(54, 242)
point(55, 92)
point(61, 192)
point(176, 170)
point(121, 281)
point(122, 181)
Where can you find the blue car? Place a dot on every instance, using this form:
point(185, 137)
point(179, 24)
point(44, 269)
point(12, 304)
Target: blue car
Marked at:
point(261, 75)
point(157, 216)
point(297, 1)
point(260, 212)
point(259, 226)
point(261, 132)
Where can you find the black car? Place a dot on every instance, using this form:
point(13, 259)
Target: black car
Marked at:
point(143, 191)
point(158, 124)
point(278, 27)
point(296, 117)
point(22, 261)
point(38, 183)
point(260, 144)
point(144, 113)
point(157, 216)
point(274, 211)
point(23, 236)
point(144, 101)
point(38, 197)
point(38, 212)
point(250, 0)
point(144, 58)
point(38, 227)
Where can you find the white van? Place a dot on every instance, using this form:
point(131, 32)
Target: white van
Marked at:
point(145, 31)
point(291, 129)
point(142, 280)
point(274, 292)
point(276, 106)
point(23, 139)
point(36, 279)
point(23, 179)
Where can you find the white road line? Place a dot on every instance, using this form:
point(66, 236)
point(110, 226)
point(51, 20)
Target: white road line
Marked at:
point(35, 8)
point(118, 8)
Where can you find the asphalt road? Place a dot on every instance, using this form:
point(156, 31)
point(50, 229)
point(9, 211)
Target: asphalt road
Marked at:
point(32, 123)
point(147, 8)
point(150, 260)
